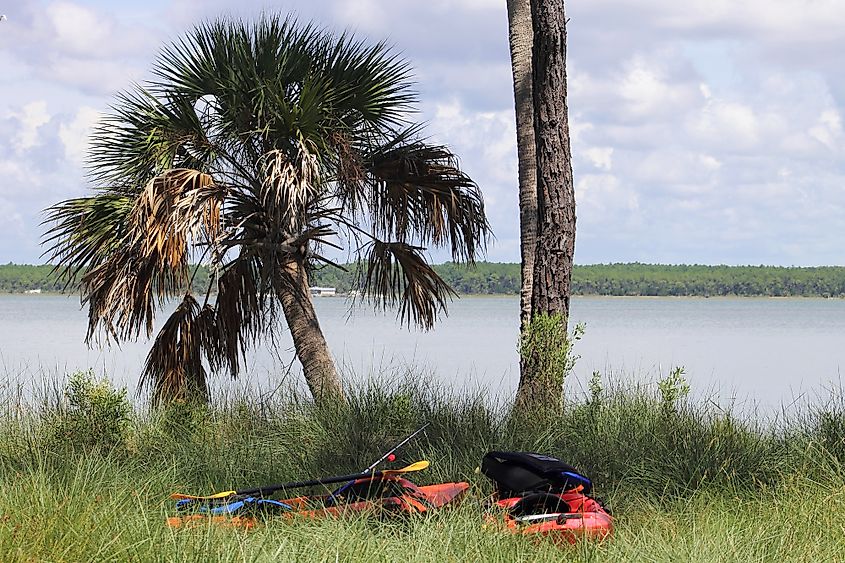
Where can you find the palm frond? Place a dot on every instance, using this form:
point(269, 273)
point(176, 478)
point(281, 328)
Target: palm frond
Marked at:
point(124, 290)
point(84, 232)
point(290, 185)
point(418, 192)
point(243, 312)
point(174, 369)
point(178, 205)
point(372, 83)
point(398, 274)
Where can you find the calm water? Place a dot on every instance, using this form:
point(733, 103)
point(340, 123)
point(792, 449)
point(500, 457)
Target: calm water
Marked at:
point(769, 351)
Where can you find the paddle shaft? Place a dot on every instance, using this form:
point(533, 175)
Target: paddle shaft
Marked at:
point(262, 491)
point(372, 466)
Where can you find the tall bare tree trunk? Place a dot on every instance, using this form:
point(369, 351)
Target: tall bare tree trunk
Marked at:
point(555, 236)
point(520, 36)
point(311, 347)
point(555, 187)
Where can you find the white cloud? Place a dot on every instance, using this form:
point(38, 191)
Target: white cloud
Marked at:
point(13, 174)
point(31, 118)
point(71, 45)
point(366, 15)
point(828, 129)
point(78, 30)
point(600, 157)
point(676, 170)
point(97, 78)
point(647, 91)
point(726, 123)
point(12, 218)
point(74, 134)
point(604, 196)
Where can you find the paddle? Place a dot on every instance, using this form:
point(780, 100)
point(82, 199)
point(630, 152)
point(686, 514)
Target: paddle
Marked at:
point(263, 491)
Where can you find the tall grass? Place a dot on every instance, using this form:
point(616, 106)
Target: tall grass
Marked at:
point(83, 479)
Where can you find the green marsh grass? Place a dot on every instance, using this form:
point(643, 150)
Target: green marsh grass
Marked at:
point(687, 481)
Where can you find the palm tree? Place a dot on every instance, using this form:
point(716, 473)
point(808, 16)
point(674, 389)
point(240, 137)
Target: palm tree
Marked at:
point(520, 39)
point(254, 149)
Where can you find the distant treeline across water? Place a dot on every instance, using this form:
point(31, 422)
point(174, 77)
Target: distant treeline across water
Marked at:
point(486, 278)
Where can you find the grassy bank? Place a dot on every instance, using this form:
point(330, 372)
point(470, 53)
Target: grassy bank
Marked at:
point(84, 477)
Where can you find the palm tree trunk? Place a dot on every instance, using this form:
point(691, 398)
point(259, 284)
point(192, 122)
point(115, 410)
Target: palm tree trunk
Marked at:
point(311, 347)
point(555, 237)
point(520, 36)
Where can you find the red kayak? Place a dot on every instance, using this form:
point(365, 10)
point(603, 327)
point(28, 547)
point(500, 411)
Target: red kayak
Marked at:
point(538, 494)
point(378, 495)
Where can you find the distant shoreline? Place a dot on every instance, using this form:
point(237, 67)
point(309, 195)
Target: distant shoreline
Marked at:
point(502, 279)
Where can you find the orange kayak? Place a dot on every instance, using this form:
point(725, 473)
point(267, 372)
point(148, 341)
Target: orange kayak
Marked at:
point(539, 494)
point(389, 494)
point(569, 516)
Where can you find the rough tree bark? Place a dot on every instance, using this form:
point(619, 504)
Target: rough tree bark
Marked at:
point(311, 347)
point(520, 37)
point(555, 236)
point(555, 188)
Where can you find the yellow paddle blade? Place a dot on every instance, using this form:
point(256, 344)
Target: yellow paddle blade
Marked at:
point(180, 496)
point(418, 466)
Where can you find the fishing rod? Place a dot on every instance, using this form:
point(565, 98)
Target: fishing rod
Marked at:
point(369, 470)
point(396, 447)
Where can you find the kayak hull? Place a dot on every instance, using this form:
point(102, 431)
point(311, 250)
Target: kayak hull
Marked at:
point(585, 518)
point(413, 499)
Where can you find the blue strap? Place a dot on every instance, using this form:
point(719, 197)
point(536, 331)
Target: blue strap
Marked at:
point(242, 504)
point(577, 479)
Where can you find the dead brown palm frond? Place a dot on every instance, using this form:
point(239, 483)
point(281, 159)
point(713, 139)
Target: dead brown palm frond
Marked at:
point(290, 183)
point(124, 290)
point(174, 368)
point(172, 208)
point(198, 207)
point(350, 173)
point(242, 313)
point(122, 294)
point(398, 274)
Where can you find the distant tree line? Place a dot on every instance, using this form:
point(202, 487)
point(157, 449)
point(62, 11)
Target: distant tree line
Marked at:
point(18, 278)
point(706, 281)
point(490, 278)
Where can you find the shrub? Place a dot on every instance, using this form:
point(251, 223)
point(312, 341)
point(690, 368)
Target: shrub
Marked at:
point(92, 414)
point(673, 389)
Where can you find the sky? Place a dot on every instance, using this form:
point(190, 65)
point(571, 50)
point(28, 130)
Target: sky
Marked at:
point(703, 131)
